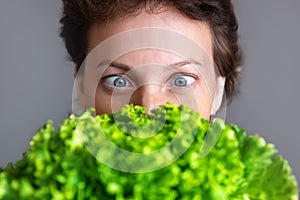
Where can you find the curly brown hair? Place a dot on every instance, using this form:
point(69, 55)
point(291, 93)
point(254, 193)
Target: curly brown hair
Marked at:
point(79, 15)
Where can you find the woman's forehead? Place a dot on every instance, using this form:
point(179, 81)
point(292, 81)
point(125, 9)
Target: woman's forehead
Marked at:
point(149, 56)
point(170, 20)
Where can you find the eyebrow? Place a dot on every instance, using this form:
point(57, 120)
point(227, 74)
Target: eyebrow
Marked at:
point(114, 64)
point(125, 67)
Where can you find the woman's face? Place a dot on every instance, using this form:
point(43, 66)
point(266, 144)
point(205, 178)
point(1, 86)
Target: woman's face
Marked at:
point(150, 77)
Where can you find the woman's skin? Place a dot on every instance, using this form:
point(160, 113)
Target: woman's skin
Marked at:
point(139, 74)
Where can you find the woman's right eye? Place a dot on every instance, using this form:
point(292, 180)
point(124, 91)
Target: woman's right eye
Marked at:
point(116, 81)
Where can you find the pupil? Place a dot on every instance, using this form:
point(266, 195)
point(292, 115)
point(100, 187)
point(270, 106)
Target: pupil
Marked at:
point(120, 82)
point(180, 82)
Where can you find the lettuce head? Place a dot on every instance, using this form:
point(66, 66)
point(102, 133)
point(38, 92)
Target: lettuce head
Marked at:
point(170, 154)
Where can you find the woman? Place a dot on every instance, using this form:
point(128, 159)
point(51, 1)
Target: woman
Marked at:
point(183, 52)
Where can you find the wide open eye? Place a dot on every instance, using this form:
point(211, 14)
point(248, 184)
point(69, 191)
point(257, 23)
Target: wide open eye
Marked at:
point(183, 80)
point(116, 81)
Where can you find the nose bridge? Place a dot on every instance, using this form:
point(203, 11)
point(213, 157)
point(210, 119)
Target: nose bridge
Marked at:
point(150, 96)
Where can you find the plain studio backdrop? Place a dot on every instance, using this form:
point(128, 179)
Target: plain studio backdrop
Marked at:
point(36, 78)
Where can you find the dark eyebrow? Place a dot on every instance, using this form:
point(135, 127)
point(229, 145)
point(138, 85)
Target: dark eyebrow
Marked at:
point(114, 64)
point(185, 62)
point(120, 66)
point(182, 63)
point(127, 67)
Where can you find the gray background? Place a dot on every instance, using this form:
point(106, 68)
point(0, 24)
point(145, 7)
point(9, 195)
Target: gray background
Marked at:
point(36, 79)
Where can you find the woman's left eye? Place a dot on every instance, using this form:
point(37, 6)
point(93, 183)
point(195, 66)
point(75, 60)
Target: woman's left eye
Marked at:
point(183, 80)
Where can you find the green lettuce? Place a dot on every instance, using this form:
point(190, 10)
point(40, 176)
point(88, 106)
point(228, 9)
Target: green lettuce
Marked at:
point(75, 162)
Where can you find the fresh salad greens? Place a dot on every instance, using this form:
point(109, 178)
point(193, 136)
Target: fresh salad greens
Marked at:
point(66, 163)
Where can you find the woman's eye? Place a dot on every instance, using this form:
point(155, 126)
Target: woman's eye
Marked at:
point(117, 81)
point(183, 80)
